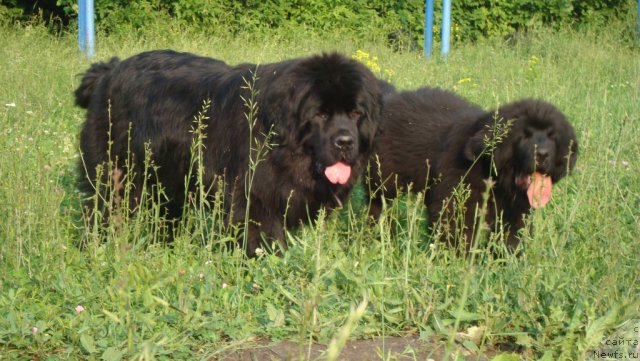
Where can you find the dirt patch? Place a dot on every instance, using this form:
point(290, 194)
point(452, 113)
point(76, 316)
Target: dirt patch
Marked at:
point(389, 348)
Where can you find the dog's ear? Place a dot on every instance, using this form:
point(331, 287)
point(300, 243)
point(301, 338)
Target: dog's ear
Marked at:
point(476, 144)
point(368, 129)
point(280, 106)
point(370, 125)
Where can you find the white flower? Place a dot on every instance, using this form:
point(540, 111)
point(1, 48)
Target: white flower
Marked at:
point(79, 309)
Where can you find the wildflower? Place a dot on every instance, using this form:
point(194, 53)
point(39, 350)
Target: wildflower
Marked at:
point(259, 252)
point(201, 276)
point(372, 63)
point(10, 105)
point(224, 285)
point(79, 309)
point(360, 55)
point(34, 330)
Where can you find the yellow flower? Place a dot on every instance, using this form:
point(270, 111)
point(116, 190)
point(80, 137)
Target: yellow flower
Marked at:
point(372, 63)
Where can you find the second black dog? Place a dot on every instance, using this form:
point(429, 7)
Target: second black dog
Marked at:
point(436, 141)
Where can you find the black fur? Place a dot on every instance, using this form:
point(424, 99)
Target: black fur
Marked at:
point(308, 103)
point(433, 139)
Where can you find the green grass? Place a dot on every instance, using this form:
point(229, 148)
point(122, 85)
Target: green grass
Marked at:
point(577, 280)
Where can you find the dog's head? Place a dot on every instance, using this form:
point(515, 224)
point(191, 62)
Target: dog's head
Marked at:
point(329, 106)
point(538, 148)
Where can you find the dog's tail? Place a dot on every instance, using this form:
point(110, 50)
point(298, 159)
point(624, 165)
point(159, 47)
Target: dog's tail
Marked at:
point(91, 77)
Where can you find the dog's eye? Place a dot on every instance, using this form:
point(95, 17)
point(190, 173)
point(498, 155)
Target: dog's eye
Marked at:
point(355, 114)
point(551, 132)
point(322, 116)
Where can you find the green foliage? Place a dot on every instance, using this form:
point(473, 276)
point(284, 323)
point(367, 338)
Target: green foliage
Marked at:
point(9, 10)
point(476, 19)
point(471, 19)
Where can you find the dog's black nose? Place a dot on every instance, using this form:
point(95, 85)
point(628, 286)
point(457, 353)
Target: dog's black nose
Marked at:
point(542, 153)
point(343, 141)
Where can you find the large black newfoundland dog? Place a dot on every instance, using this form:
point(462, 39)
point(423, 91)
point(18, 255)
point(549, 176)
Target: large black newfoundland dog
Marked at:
point(319, 115)
point(438, 141)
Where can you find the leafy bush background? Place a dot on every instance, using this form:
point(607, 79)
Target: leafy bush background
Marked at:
point(472, 19)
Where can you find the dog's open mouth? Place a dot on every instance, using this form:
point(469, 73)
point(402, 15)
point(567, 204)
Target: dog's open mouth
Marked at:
point(538, 187)
point(338, 173)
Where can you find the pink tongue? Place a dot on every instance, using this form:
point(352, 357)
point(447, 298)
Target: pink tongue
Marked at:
point(338, 173)
point(539, 191)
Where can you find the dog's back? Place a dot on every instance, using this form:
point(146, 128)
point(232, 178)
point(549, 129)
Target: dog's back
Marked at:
point(415, 131)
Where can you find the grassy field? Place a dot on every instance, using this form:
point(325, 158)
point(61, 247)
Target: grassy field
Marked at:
point(577, 281)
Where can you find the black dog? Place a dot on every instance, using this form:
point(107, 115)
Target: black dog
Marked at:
point(319, 114)
point(434, 140)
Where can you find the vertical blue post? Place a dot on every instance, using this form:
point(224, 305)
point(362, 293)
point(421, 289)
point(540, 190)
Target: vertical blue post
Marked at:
point(82, 23)
point(428, 27)
point(86, 28)
point(446, 26)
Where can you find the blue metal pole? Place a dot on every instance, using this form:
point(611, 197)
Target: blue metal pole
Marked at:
point(428, 27)
point(86, 27)
point(82, 24)
point(446, 26)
